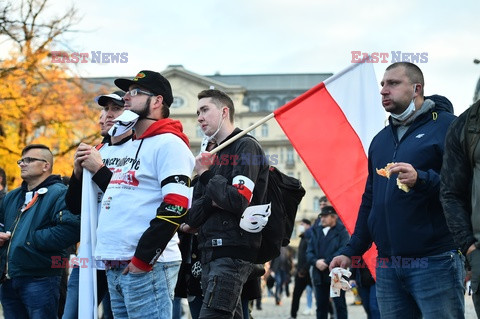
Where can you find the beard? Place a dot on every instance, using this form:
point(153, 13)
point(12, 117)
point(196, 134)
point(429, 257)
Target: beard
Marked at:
point(145, 111)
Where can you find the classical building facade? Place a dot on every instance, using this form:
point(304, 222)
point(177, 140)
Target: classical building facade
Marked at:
point(254, 96)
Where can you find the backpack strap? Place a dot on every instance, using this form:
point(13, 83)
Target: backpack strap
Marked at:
point(472, 131)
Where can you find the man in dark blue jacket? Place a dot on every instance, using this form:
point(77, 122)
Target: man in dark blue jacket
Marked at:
point(327, 239)
point(419, 269)
point(35, 230)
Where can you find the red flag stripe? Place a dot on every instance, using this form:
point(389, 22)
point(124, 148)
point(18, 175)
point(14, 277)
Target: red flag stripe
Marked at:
point(333, 155)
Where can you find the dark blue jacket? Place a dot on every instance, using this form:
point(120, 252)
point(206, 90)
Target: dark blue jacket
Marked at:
point(406, 224)
point(39, 234)
point(325, 247)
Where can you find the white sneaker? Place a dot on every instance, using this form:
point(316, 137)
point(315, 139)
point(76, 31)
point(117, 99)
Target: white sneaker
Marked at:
point(307, 312)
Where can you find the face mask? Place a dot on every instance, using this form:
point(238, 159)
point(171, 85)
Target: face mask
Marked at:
point(301, 229)
point(408, 111)
point(207, 139)
point(123, 123)
point(211, 137)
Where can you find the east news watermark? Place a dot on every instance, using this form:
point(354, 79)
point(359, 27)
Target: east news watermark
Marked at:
point(393, 261)
point(357, 262)
point(86, 57)
point(389, 57)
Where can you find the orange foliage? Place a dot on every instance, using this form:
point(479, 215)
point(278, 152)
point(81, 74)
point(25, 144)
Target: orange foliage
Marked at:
point(39, 103)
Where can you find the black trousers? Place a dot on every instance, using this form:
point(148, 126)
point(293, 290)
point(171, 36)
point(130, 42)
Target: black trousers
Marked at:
point(300, 284)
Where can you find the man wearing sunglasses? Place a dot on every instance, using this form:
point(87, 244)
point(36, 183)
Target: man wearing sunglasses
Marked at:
point(145, 202)
point(35, 230)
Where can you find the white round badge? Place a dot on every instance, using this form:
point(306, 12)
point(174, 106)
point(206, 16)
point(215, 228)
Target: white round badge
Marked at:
point(42, 190)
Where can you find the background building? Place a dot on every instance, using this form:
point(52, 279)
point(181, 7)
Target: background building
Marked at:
point(254, 96)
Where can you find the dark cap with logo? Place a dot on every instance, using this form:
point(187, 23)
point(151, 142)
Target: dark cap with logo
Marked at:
point(327, 210)
point(152, 81)
point(116, 97)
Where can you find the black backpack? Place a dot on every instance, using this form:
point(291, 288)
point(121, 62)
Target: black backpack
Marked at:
point(285, 193)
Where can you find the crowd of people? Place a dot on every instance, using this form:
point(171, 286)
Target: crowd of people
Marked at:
point(169, 222)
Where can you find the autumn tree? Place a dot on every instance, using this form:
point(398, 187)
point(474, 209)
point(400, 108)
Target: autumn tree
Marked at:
point(40, 101)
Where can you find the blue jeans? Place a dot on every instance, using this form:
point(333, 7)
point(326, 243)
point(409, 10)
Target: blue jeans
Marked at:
point(30, 297)
point(474, 262)
point(309, 292)
point(281, 278)
point(177, 308)
point(432, 289)
point(369, 301)
point(143, 295)
point(71, 302)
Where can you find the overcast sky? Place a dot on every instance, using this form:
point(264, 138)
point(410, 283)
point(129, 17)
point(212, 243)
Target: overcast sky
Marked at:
point(280, 36)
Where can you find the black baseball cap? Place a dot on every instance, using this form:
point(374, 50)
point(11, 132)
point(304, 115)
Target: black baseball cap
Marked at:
point(116, 97)
point(327, 210)
point(152, 81)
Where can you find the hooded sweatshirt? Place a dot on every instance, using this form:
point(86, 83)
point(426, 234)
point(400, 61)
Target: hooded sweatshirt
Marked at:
point(409, 224)
point(147, 197)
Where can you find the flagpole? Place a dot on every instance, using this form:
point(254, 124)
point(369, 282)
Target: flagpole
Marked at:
point(245, 131)
point(271, 115)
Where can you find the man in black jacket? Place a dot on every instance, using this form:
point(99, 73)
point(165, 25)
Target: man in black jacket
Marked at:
point(459, 192)
point(326, 242)
point(229, 182)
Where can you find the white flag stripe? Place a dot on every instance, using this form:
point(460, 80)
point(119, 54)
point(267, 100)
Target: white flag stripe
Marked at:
point(359, 85)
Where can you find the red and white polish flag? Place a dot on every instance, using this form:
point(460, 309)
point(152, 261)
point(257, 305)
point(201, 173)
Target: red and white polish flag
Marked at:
point(331, 127)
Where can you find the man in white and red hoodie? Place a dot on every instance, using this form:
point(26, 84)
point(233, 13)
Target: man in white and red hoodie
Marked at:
point(145, 202)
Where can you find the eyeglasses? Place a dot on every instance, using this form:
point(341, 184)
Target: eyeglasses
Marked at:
point(28, 160)
point(135, 91)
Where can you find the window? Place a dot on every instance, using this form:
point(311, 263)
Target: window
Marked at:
point(264, 130)
point(254, 105)
point(272, 104)
point(252, 132)
point(290, 156)
point(316, 204)
point(288, 99)
point(177, 102)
